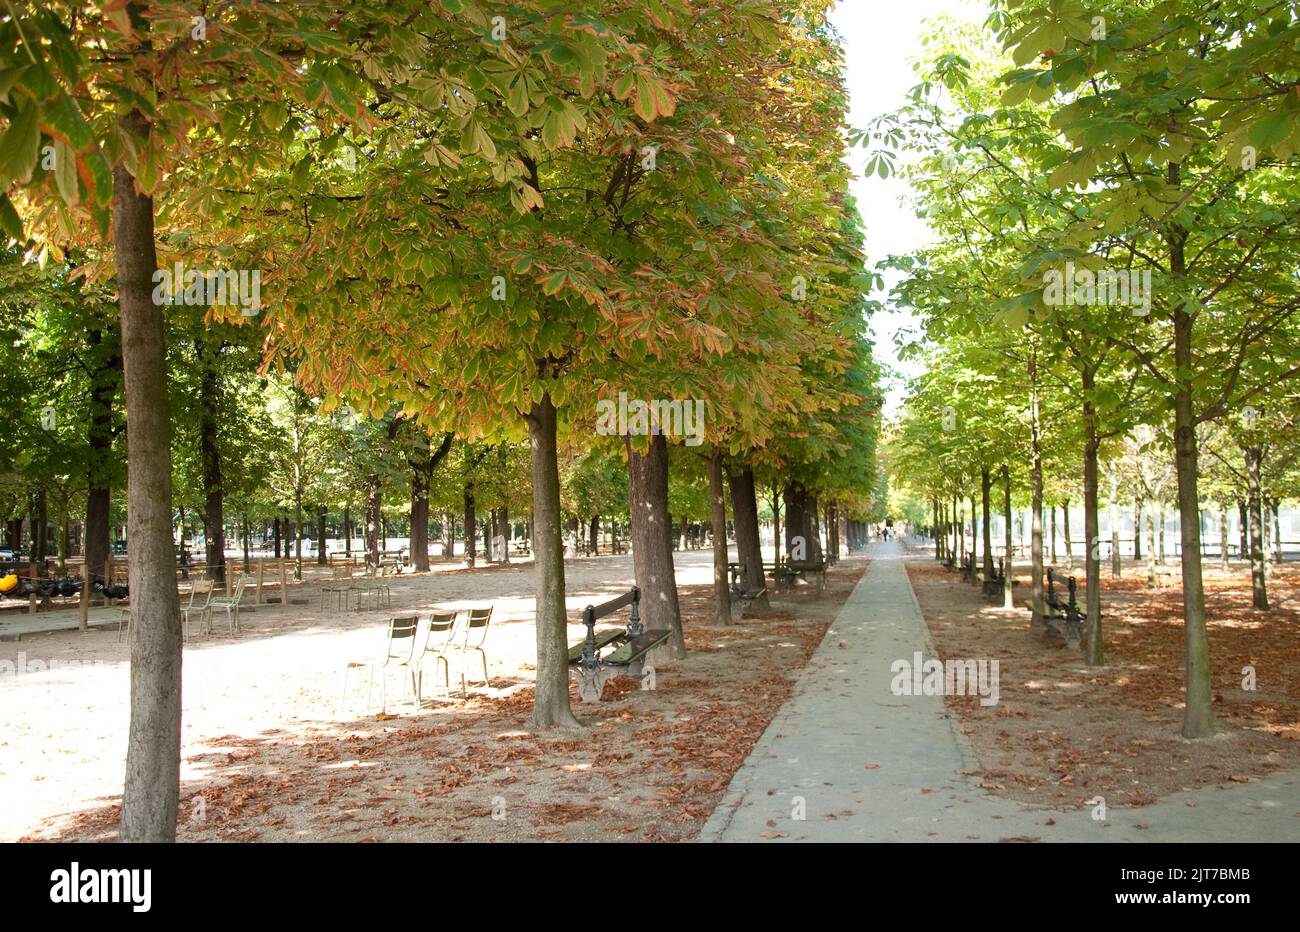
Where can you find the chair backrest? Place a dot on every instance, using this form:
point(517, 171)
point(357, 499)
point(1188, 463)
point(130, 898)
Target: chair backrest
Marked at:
point(401, 637)
point(476, 625)
point(200, 593)
point(442, 631)
point(240, 584)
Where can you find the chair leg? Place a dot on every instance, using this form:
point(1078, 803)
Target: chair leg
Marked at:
point(343, 697)
point(484, 656)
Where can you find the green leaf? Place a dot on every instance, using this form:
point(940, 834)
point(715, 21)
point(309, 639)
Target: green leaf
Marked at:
point(1272, 129)
point(19, 147)
point(63, 120)
point(10, 223)
point(65, 173)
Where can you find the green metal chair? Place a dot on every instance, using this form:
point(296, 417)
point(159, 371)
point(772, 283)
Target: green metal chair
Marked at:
point(200, 603)
point(476, 628)
point(230, 604)
point(400, 652)
point(439, 645)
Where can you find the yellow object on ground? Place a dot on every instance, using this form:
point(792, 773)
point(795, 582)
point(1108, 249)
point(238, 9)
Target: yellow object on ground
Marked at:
point(8, 582)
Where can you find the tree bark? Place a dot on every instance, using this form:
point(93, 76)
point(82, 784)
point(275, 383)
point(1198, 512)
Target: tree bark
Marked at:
point(471, 525)
point(1036, 492)
point(718, 520)
point(744, 513)
point(419, 532)
point(1258, 578)
point(153, 756)
point(322, 556)
point(986, 483)
point(1095, 654)
point(551, 697)
point(776, 524)
point(1065, 531)
point(214, 517)
point(1223, 538)
point(103, 391)
point(1198, 714)
point(1008, 568)
point(652, 545)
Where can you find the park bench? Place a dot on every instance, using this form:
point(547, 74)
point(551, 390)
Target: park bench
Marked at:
point(968, 568)
point(630, 648)
point(1063, 618)
point(745, 599)
point(521, 548)
point(1160, 577)
point(993, 585)
point(802, 568)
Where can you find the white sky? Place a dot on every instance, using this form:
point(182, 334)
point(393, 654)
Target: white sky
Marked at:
point(881, 40)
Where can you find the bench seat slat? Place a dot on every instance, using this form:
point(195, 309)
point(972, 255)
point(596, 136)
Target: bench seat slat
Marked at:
point(603, 639)
point(636, 648)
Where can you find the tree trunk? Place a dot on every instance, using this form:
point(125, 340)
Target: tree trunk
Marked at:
point(448, 536)
point(278, 554)
point(502, 520)
point(1008, 568)
point(297, 536)
point(1258, 578)
point(1137, 528)
point(1051, 510)
point(1198, 715)
point(1095, 654)
point(1036, 492)
point(718, 520)
point(593, 535)
point(744, 514)
point(652, 545)
point(1065, 531)
point(551, 696)
point(419, 532)
point(322, 556)
point(214, 517)
point(1275, 507)
point(1223, 538)
point(471, 523)
point(986, 485)
point(776, 524)
point(153, 754)
point(1243, 530)
point(1116, 565)
point(103, 391)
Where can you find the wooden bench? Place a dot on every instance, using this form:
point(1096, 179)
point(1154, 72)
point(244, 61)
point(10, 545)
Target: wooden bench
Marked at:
point(802, 568)
point(745, 599)
point(627, 659)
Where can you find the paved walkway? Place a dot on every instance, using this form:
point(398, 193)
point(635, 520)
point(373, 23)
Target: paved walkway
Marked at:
point(866, 765)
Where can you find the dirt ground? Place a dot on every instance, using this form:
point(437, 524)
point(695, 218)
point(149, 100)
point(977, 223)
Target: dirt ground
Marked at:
point(1064, 732)
point(267, 755)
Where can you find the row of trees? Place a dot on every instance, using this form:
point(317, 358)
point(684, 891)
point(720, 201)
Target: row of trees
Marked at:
point(1110, 300)
point(468, 219)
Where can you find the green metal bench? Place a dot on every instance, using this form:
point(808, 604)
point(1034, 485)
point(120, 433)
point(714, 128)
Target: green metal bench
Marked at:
point(627, 659)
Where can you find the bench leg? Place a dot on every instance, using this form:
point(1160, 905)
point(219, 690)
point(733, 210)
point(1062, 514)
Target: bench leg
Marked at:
point(591, 683)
